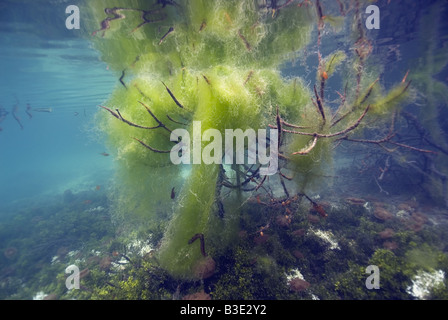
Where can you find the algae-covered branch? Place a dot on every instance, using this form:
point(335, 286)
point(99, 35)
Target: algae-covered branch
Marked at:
point(219, 64)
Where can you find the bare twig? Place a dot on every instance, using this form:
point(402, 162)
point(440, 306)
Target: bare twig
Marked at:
point(178, 122)
point(161, 124)
point(246, 43)
point(173, 97)
point(308, 150)
point(319, 105)
point(151, 148)
point(366, 96)
point(379, 186)
point(121, 78)
point(331, 135)
point(170, 30)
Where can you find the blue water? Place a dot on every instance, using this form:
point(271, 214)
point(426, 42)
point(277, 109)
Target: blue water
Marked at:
point(58, 150)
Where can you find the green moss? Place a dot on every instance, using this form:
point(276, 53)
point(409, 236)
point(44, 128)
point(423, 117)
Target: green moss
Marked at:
point(350, 285)
point(141, 280)
point(395, 275)
point(423, 257)
point(247, 275)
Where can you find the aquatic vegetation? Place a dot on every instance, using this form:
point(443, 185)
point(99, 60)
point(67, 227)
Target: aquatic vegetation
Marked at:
point(217, 65)
point(420, 167)
point(255, 267)
point(42, 238)
point(433, 59)
point(305, 83)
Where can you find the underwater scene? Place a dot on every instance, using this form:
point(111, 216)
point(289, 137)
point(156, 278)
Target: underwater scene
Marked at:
point(223, 150)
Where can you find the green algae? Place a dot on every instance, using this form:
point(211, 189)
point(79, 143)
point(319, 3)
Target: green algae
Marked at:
point(217, 62)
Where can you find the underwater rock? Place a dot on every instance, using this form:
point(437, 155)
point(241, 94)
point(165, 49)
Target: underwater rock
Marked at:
point(313, 219)
point(62, 252)
point(51, 296)
point(405, 207)
point(298, 254)
point(356, 201)
point(205, 268)
point(68, 196)
point(261, 239)
point(10, 252)
point(92, 261)
point(390, 245)
point(84, 273)
point(298, 285)
point(402, 214)
point(37, 219)
point(416, 221)
point(7, 272)
point(105, 263)
point(382, 214)
point(386, 233)
point(242, 234)
point(299, 232)
point(198, 296)
point(283, 220)
point(412, 204)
